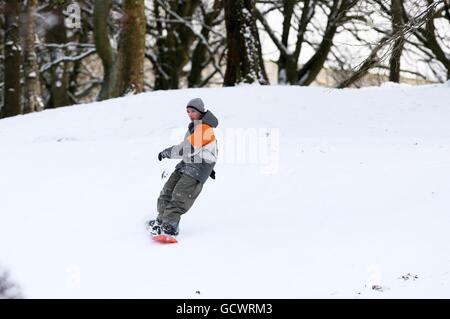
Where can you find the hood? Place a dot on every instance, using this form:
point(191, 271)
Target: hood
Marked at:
point(210, 119)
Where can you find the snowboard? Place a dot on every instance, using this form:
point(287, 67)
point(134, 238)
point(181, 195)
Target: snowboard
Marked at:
point(164, 239)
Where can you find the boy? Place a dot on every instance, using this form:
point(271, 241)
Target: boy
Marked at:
point(198, 153)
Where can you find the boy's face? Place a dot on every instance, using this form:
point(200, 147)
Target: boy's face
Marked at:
point(193, 114)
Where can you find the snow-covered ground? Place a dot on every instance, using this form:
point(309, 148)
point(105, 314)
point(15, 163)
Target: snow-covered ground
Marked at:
point(339, 191)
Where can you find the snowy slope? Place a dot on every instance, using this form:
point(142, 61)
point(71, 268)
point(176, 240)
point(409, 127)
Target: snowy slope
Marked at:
point(348, 189)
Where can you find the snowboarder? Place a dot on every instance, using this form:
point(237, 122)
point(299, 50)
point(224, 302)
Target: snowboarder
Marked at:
point(198, 153)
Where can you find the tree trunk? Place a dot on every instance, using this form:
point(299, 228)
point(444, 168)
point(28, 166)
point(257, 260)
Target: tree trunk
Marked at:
point(131, 49)
point(167, 72)
point(288, 72)
point(433, 44)
point(397, 25)
point(287, 68)
point(199, 58)
point(59, 75)
point(311, 69)
point(263, 78)
point(244, 60)
point(104, 49)
point(33, 93)
point(13, 59)
point(173, 48)
point(200, 55)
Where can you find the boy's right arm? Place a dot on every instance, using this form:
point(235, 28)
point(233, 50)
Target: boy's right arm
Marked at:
point(175, 151)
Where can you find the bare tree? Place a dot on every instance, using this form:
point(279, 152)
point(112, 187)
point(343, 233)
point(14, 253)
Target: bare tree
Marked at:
point(338, 12)
point(337, 17)
point(104, 48)
point(397, 26)
point(187, 42)
point(81, 85)
point(203, 54)
point(438, 44)
point(385, 46)
point(33, 93)
point(65, 53)
point(131, 48)
point(12, 104)
point(56, 34)
point(244, 60)
point(287, 63)
point(174, 38)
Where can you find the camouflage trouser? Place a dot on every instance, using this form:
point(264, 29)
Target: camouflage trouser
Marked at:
point(177, 197)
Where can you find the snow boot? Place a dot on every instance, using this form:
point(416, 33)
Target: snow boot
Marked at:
point(154, 226)
point(168, 229)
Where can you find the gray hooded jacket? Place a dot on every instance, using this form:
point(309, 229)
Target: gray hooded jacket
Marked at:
point(198, 150)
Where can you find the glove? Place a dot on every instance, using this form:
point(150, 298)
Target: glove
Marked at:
point(160, 156)
point(213, 175)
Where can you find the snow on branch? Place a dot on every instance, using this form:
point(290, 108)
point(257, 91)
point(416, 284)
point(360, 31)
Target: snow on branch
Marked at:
point(271, 33)
point(195, 32)
point(65, 45)
point(373, 59)
point(81, 56)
